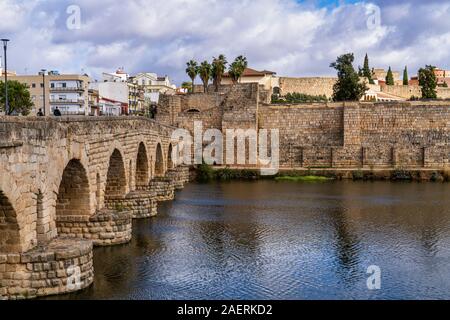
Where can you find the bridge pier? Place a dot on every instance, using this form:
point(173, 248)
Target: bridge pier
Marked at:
point(107, 227)
point(163, 187)
point(179, 176)
point(58, 267)
point(140, 203)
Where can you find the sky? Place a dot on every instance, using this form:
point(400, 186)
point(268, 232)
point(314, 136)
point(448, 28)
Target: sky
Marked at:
point(291, 37)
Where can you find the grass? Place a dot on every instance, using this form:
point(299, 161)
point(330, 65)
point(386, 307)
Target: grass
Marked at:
point(303, 178)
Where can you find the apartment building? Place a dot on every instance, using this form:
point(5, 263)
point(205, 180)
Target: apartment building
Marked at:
point(153, 86)
point(48, 91)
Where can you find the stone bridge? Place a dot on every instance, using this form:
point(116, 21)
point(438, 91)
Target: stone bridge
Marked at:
point(68, 184)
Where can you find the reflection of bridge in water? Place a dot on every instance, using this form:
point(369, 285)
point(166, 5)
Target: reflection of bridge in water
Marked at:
point(69, 183)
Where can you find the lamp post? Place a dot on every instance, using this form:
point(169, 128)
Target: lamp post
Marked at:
point(5, 45)
point(43, 89)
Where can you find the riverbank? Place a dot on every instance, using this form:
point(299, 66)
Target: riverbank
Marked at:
point(208, 173)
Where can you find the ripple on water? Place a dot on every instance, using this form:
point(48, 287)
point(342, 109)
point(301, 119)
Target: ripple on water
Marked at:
point(274, 240)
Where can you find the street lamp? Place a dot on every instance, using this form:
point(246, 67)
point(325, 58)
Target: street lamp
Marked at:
point(5, 45)
point(43, 88)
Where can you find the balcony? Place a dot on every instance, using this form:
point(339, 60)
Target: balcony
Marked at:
point(66, 89)
point(67, 101)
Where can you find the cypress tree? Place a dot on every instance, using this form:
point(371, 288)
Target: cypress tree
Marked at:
point(390, 78)
point(405, 76)
point(366, 70)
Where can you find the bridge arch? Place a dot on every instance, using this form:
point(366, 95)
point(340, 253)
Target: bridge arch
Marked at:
point(142, 167)
point(9, 227)
point(159, 161)
point(73, 194)
point(170, 157)
point(116, 182)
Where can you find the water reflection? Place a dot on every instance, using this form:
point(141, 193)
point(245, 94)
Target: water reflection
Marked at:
point(282, 240)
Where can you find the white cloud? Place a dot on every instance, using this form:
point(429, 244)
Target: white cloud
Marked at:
point(161, 35)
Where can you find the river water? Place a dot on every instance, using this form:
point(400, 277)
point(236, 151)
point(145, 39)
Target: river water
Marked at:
point(284, 240)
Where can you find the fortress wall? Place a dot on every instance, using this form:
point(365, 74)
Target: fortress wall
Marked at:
point(443, 93)
point(312, 86)
point(405, 92)
point(357, 135)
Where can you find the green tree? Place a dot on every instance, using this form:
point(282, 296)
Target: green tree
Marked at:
point(405, 76)
point(204, 72)
point(348, 87)
point(366, 72)
point(390, 77)
point(192, 71)
point(428, 82)
point(218, 69)
point(187, 86)
point(19, 99)
point(237, 68)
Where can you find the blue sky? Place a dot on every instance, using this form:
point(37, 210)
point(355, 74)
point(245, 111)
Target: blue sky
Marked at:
point(293, 38)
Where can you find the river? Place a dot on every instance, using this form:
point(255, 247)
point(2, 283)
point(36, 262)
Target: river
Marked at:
point(284, 240)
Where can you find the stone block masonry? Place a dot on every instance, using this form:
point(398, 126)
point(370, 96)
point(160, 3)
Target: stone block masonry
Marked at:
point(68, 184)
point(107, 227)
point(61, 266)
point(353, 135)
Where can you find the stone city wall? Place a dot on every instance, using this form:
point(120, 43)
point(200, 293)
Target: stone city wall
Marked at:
point(405, 92)
point(312, 86)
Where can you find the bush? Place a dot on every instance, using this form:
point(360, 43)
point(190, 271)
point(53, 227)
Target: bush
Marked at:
point(204, 173)
point(401, 175)
point(298, 98)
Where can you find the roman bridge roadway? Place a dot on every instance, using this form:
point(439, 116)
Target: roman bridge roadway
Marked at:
point(70, 183)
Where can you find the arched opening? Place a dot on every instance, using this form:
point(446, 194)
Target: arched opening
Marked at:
point(169, 157)
point(9, 228)
point(276, 91)
point(73, 193)
point(142, 174)
point(159, 162)
point(115, 180)
point(193, 111)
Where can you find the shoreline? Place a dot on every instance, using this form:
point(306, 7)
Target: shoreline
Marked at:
point(209, 173)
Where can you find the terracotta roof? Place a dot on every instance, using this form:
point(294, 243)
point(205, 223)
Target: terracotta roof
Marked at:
point(248, 72)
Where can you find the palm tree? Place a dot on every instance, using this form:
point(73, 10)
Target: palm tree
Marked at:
point(237, 68)
point(218, 68)
point(192, 71)
point(205, 74)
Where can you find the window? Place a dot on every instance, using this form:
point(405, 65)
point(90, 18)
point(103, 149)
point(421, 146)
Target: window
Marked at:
point(64, 85)
point(33, 98)
point(52, 85)
point(42, 98)
point(33, 85)
point(42, 85)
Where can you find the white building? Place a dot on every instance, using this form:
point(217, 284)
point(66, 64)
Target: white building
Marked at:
point(113, 93)
point(154, 86)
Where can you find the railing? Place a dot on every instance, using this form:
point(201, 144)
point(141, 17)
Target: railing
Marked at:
point(67, 89)
point(65, 101)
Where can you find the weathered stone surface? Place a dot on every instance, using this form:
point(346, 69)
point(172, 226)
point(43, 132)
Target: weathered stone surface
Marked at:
point(78, 178)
